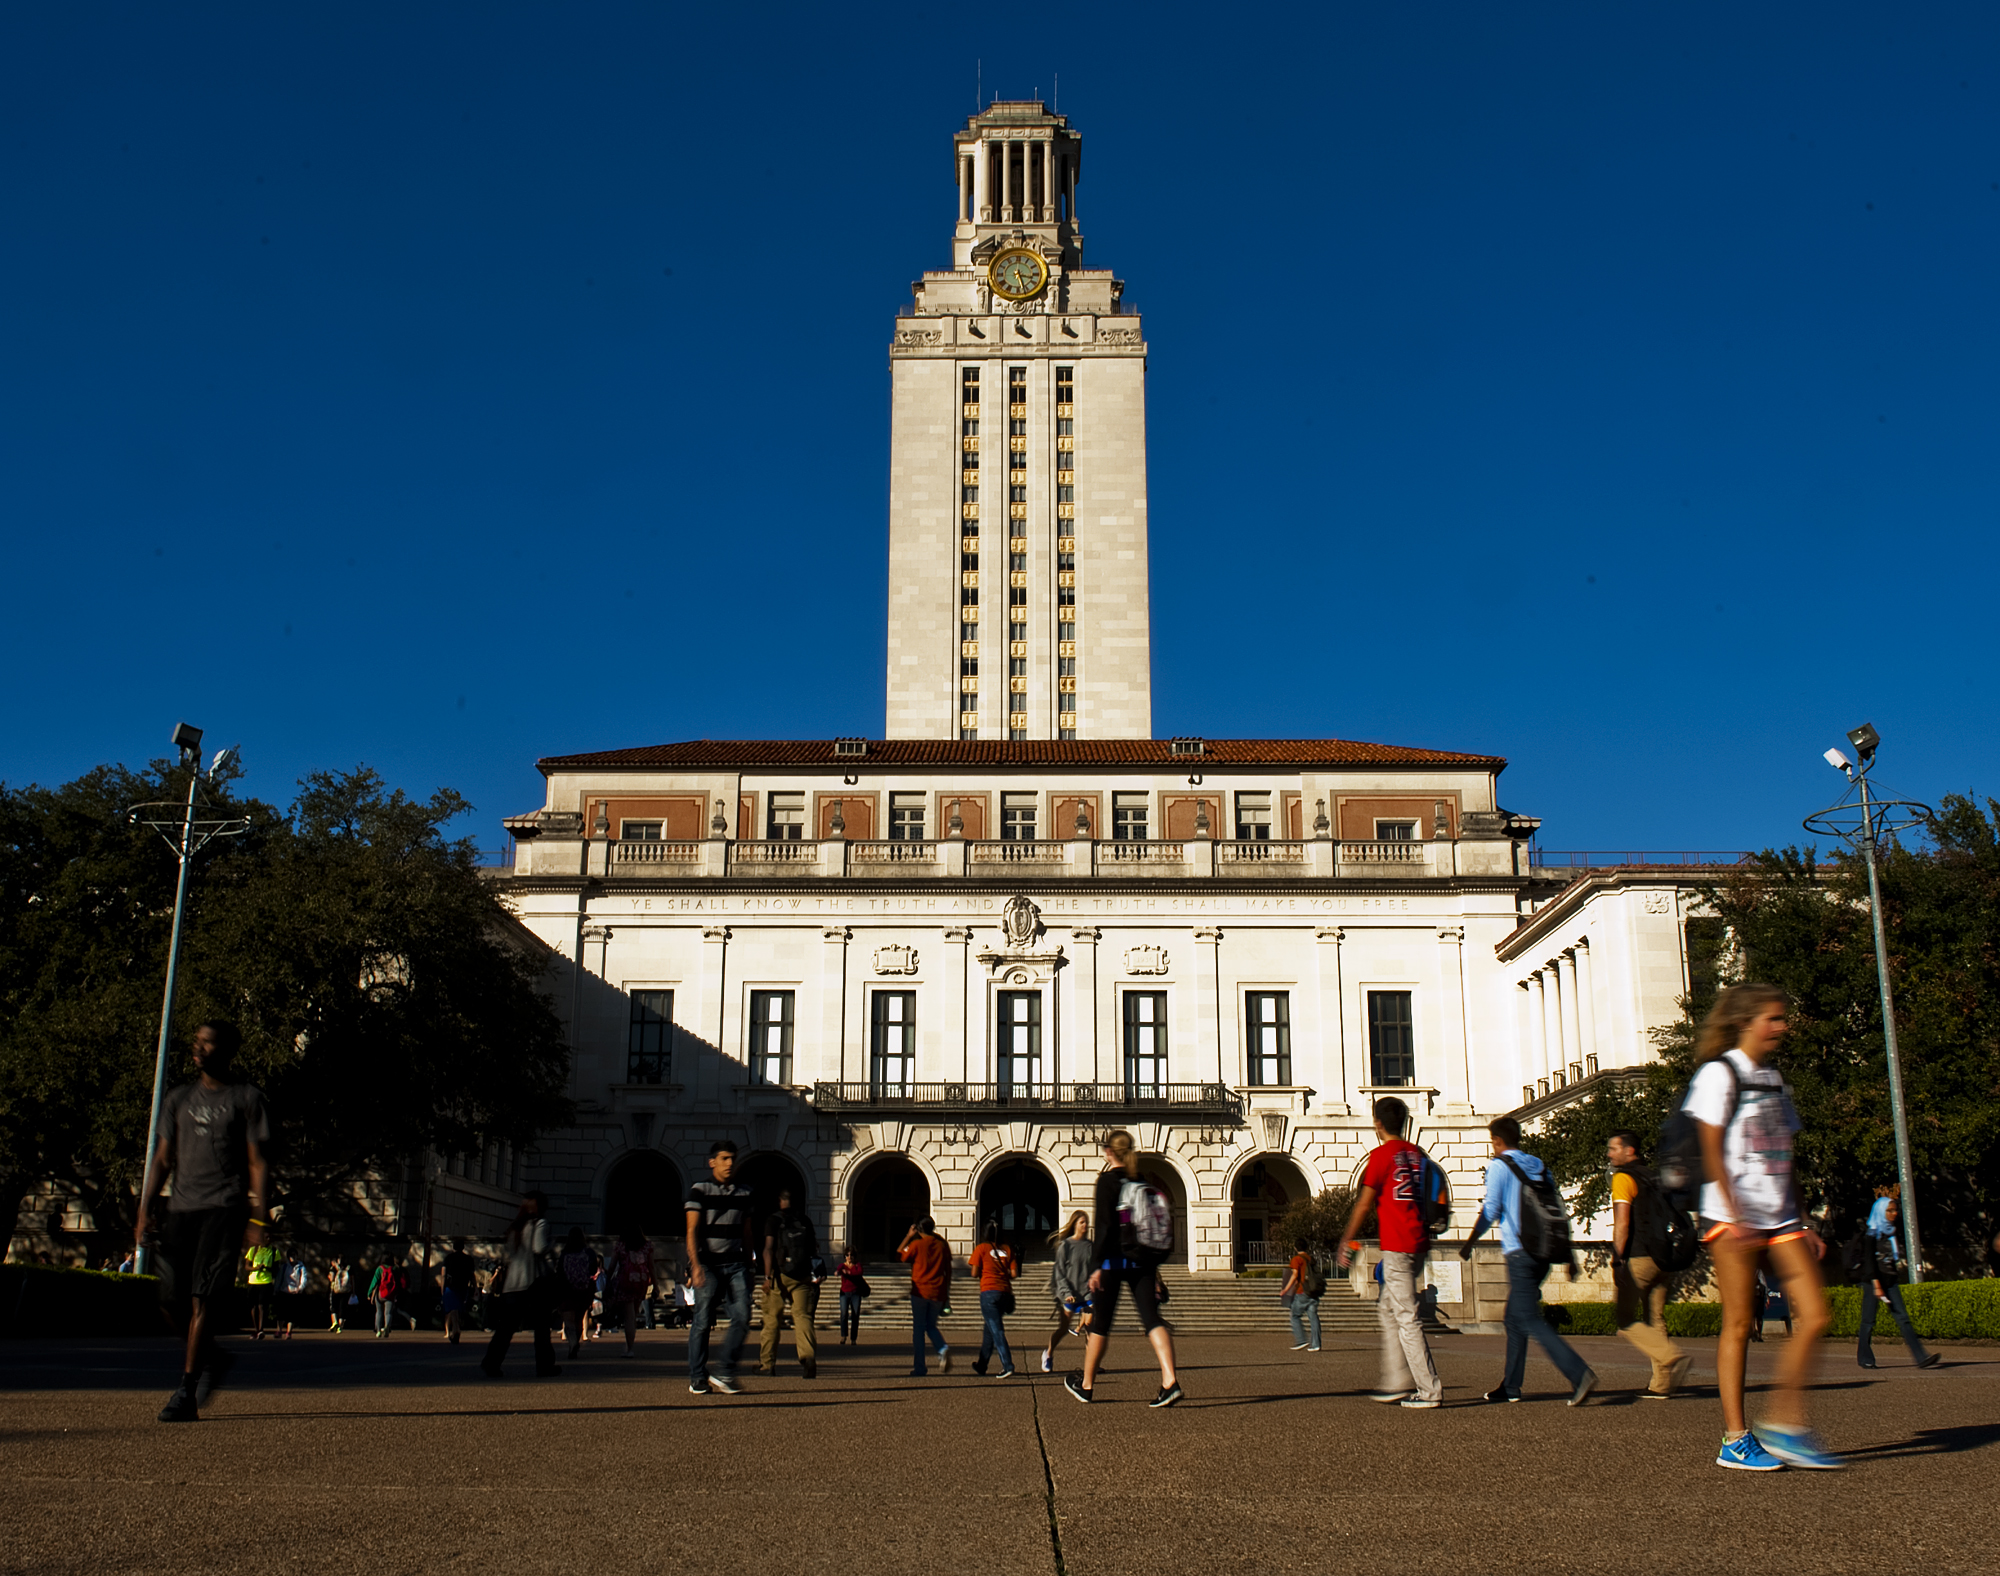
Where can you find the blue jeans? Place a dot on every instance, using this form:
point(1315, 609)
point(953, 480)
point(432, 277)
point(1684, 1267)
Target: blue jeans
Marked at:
point(1305, 1312)
point(1893, 1295)
point(923, 1320)
point(1525, 1322)
point(850, 1315)
point(995, 1337)
point(729, 1286)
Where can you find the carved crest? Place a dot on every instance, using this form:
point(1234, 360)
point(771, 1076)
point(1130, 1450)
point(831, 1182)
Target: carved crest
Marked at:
point(1145, 960)
point(895, 960)
point(1021, 923)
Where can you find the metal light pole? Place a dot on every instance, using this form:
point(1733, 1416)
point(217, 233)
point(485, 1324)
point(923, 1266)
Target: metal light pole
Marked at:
point(1862, 820)
point(186, 833)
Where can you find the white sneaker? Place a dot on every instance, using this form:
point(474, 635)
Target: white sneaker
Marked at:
point(1048, 1362)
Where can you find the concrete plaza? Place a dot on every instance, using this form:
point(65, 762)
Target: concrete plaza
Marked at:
point(386, 1456)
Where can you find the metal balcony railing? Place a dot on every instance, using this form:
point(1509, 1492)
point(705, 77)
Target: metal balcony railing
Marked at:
point(1205, 1099)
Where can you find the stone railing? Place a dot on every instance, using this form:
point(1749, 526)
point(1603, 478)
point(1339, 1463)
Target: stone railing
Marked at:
point(872, 852)
point(1260, 851)
point(1396, 853)
point(655, 852)
point(1145, 853)
point(774, 853)
point(1102, 1099)
point(1005, 853)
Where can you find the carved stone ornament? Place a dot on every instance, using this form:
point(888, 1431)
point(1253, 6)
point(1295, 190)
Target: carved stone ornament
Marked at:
point(1658, 903)
point(1145, 960)
point(1021, 923)
point(895, 960)
point(919, 336)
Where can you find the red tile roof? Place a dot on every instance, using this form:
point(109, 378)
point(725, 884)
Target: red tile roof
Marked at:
point(738, 754)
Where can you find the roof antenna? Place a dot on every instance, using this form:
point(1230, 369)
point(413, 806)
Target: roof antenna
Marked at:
point(1056, 108)
point(979, 87)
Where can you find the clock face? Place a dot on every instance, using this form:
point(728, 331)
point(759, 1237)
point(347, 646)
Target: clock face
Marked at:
point(1018, 274)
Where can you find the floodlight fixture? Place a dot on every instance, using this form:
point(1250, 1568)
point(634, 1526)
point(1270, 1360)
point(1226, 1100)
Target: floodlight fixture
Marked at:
point(1865, 741)
point(187, 739)
point(1838, 762)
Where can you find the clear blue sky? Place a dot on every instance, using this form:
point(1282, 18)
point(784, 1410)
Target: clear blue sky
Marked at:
point(1609, 387)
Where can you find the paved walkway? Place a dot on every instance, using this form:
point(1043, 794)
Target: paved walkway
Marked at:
point(352, 1454)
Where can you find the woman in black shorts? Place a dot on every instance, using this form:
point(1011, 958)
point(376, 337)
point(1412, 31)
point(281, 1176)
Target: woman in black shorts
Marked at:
point(1124, 1267)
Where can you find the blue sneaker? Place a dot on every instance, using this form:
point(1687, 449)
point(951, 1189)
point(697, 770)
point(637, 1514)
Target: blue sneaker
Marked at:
point(1747, 1455)
point(1799, 1447)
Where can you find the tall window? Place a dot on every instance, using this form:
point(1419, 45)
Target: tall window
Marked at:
point(893, 1057)
point(649, 1040)
point(1020, 1045)
point(1017, 817)
point(1128, 817)
point(1253, 817)
point(1270, 1023)
point(1017, 532)
point(1145, 1044)
point(1066, 552)
point(968, 560)
point(785, 817)
point(906, 817)
point(771, 1036)
point(1392, 1046)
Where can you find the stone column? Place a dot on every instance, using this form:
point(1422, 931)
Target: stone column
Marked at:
point(831, 1054)
point(1208, 1002)
point(954, 1053)
point(982, 181)
point(1572, 1037)
point(1586, 1007)
point(965, 202)
point(1552, 1001)
point(1085, 1055)
point(1455, 1080)
point(1045, 167)
point(1332, 1020)
point(1010, 193)
point(1538, 1026)
point(1526, 1016)
point(714, 984)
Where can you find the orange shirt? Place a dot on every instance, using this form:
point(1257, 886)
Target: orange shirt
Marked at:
point(995, 1267)
point(930, 1267)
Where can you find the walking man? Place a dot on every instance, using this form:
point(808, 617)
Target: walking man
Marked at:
point(1398, 1183)
point(1640, 1282)
point(1303, 1288)
point(455, 1288)
point(790, 1246)
point(1508, 1177)
point(930, 1277)
point(719, 1247)
point(213, 1134)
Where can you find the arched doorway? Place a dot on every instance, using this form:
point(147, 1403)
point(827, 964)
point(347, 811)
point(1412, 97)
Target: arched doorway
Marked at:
point(1023, 1198)
point(1161, 1174)
point(1264, 1190)
point(766, 1176)
point(644, 1190)
point(889, 1195)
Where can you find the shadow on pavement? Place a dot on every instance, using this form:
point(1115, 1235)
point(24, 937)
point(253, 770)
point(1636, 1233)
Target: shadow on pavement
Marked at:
point(1931, 1442)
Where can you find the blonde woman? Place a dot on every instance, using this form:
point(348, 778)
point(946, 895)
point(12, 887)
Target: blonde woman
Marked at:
point(1069, 1283)
point(1750, 1212)
point(1123, 1266)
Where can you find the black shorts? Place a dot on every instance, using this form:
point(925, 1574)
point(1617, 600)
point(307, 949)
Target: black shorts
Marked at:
point(1140, 1283)
point(200, 1249)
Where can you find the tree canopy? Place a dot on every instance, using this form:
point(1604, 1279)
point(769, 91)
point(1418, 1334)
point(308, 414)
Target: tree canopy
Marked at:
point(1804, 926)
point(387, 1000)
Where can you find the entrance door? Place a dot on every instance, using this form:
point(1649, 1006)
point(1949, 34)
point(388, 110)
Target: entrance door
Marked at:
point(1021, 1196)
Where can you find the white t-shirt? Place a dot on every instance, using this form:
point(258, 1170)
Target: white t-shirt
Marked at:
point(1756, 1149)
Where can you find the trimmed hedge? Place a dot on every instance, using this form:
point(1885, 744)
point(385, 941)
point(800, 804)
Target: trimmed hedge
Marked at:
point(1940, 1310)
point(36, 1299)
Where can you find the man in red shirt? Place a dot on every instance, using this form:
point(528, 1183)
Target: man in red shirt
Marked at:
point(1394, 1183)
point(929, 1259)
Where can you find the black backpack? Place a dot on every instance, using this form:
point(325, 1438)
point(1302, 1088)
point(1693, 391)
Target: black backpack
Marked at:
point(798, 1244)
point(1661, 1232)
point(1545, 1232)
point(1677, 1158)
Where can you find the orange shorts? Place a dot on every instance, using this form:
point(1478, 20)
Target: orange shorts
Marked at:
point(1750, 1234)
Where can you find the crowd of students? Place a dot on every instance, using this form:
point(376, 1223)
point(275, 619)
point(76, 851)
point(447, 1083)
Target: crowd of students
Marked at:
point(1737, 1113)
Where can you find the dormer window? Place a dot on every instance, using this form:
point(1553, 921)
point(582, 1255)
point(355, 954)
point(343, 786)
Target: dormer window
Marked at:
point(850, 746)
point(1188, 747)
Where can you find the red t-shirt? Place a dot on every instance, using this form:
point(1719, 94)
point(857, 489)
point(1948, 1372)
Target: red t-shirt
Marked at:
point(1396, 1170)
point(930, 1267)
point(994, 1267)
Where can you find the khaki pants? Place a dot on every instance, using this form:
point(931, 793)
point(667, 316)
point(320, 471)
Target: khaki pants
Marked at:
point(1406, 1355)
point(798, 1293)
point(1641, 1314)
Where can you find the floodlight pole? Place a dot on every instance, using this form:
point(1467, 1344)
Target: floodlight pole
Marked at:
point(1912, 1245)
point(186, 852)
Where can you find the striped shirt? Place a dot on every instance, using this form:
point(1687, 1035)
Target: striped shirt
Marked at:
point(723, 1207)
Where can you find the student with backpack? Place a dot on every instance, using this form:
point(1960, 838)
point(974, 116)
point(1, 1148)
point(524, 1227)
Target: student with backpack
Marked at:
point(994, 1266)
point(1521, 1199)
point(579, 1267)
point(629, 1282)
point(1743, 1116)
point(1407, 1191)
point(790, 1247)
point(1878, 1264)
point(854, 1289)
point(1069, 1283)
point(382, 1289)
point(1305, 1284)
point(1642, 1263)
point(1135, 1235)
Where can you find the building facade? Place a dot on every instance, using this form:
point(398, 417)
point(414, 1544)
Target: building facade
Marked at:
point(924, 974)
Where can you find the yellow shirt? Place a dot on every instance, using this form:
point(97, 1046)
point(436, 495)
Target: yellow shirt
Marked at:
point(1624, 1189)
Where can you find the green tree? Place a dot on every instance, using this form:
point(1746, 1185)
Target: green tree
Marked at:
point(388, 1001)
point(1314, 1224)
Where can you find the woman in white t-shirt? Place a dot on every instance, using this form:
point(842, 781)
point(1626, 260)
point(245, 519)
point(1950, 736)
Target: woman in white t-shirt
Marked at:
point(1750, 1212)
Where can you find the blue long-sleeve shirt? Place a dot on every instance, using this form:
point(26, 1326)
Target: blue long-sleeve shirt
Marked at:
point(1503, 1198)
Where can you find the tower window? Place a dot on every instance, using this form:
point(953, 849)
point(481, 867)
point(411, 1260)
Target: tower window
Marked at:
point(1392, 1055)
point(785, 817)
point(771, 1036)
point(649, 1040)
point(1129, 813)
point(1017, 817)
point(1269, 1015)
point(906, 814)
point(1253, 817)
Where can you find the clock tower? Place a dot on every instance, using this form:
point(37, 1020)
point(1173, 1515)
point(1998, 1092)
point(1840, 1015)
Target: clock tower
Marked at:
point(1017, 464)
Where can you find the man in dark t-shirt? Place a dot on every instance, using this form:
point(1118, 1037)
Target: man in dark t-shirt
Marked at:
point(718, 1248)
point(213, 1134)
point(455, 1288)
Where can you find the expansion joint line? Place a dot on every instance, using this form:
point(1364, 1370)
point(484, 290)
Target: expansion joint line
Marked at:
point(1048, 1481)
